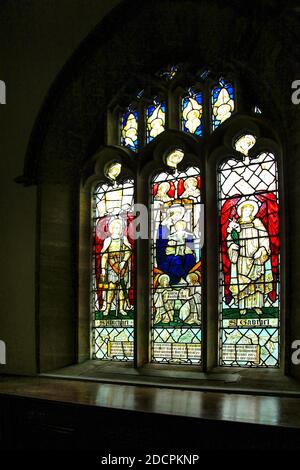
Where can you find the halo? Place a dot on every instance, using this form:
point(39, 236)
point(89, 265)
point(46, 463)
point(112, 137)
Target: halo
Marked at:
point(163, 276)
point(248, 201)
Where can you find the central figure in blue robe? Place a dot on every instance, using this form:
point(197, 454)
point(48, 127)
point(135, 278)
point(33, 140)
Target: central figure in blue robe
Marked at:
point(174, 253)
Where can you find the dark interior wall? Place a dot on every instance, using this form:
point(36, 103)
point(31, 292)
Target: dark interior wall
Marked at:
point(37, 37)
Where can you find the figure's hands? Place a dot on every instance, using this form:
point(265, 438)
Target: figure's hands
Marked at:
point(235, 247)
point(184, 294)
point(261, 255)
point(103, 272)
point(121, 266)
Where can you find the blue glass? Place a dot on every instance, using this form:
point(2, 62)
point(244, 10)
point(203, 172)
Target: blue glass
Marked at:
point(192, 114)
point(156, 119)
point(222, 98)
point(129, 130)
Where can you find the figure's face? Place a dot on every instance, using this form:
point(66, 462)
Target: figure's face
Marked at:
point(116, 229)
point(164, 188)
point(191, 183)
point(164, 282)
point(114, 170)
point(192, 279)
point(247, 212)
point(245, 143)
point(174, 158)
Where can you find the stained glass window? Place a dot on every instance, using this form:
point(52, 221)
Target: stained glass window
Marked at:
point(192, 107)
point(129, 129)
point(168, 73)
point(176, 266)
point(113, 269)
point(249, 261)
point(222, 103)
point(192, 113)
point(155, 119)
point(248, 290)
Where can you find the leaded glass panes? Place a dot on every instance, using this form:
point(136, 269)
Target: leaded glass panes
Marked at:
point(248, 289)
point(113, 270)
point(129, 129)
point(222, 100)
point(249, 262)
point(146, 116)
point(176, 267)
point(155, 119)
point(192, 113)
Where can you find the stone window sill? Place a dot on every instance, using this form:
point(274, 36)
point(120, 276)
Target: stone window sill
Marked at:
point(248, 381)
